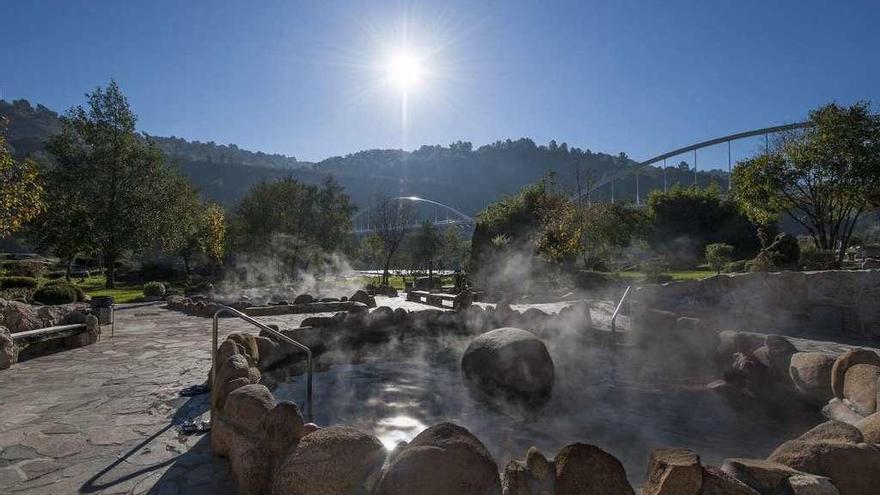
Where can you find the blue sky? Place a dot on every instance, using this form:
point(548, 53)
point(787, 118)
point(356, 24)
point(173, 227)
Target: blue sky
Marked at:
point(307, 79)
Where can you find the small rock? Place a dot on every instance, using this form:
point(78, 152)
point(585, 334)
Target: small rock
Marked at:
point(582, 468)
point(442, 460)
point(804, 484)
point(763, 476)
point(717, 482)
point(811, 374)
point(673, 471)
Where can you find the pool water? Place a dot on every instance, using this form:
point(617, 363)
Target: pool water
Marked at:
point(598, 398)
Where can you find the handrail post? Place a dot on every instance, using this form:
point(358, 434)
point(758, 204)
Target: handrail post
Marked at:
point(271, 331)
point(617, 310)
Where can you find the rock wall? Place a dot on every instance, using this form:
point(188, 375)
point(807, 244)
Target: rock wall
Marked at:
point(815, 304)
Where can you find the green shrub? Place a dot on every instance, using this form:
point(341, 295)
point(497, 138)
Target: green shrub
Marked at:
point(24, 268)
point(818, 259)
point(80, 294)
point(159, 270)
point(718, 255)
point(55, 294)
point(152, 289)
point(736, 266)
point(18, 283)
point(763, 262)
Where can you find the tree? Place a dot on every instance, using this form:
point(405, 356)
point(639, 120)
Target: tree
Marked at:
point(427, 243)
point(21, 191)
point(391, 219)
point(824, 177)
point(65, 226)
point(453, 249)
point(215, 233)
point(686, 219)
point(191, 227)
point(115, 170)
point(295, 222)
point(718, 255)
point(596, 231)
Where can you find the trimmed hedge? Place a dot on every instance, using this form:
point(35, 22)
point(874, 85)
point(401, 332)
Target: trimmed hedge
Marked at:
point(80, 294)
point(56, 294)
point(18, 283)
point(152, 289)
point(24, 268)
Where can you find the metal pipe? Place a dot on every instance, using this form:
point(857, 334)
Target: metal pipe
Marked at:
point(617, 310)
point(271, 331)
point(729, 169)
point(664, 176)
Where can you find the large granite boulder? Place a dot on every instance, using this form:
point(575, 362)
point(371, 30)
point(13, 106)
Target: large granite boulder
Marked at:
point(673, 471)
point(860, 386)
point(247, 407)
point(20, 317)
point(331, 461)
point(776, 354)
point(853, 468)
point(810, 373)
point(534, 476)
point(362, 297)
point(582, 468)
point(717, 482)
point(833, 431)
point(763, 476)
point(850, 358)
point(441, 460)
point(509, 363)
point(8, 351)
point(870, 428)
point(304, 299)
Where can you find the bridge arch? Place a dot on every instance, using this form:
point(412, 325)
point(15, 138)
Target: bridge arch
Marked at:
point(766, 132)
point(458, 218)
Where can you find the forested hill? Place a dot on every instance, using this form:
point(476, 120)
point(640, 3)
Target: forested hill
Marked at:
point(458, 175)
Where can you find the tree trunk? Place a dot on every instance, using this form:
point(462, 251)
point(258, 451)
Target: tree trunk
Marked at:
point(67, 268)
point(110, 267)
point(186, 266)
point(385, 269)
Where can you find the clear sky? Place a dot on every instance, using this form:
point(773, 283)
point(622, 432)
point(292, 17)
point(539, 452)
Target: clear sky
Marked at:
point(310, 79)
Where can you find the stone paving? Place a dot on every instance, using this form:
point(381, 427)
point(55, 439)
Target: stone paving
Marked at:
point(101, 419)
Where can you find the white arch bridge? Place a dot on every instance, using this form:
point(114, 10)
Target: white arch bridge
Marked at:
point(439, 214)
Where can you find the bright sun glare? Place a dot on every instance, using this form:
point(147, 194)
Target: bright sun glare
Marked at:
point(405, 70)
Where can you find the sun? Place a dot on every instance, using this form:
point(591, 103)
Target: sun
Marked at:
point(406, 70)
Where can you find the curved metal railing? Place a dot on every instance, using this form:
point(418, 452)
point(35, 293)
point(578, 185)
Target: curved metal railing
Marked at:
point(617, 309)
point(271, 331)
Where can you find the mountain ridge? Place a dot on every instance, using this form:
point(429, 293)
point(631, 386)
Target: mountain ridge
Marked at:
point(459, 175)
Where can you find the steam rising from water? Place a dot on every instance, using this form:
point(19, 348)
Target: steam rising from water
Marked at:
point(601, 397)
point(272, 277)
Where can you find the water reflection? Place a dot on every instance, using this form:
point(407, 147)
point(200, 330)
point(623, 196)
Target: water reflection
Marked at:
point(596, 400)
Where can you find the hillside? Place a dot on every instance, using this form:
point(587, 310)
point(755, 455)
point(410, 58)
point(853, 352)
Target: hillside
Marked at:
point(459, 175)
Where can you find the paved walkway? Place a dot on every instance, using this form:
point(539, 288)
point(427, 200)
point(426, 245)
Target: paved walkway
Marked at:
point(101, 419)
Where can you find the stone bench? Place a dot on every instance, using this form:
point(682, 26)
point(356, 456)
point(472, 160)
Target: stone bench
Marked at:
point(14, 346)
point(459, 301)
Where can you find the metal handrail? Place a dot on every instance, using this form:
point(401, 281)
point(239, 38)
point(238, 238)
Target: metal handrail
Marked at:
point(270, 330)
point(617, 309)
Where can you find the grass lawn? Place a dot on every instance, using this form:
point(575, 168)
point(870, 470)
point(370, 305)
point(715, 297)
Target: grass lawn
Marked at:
point(94, 286)
point(396, 281)
point(676, 275)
